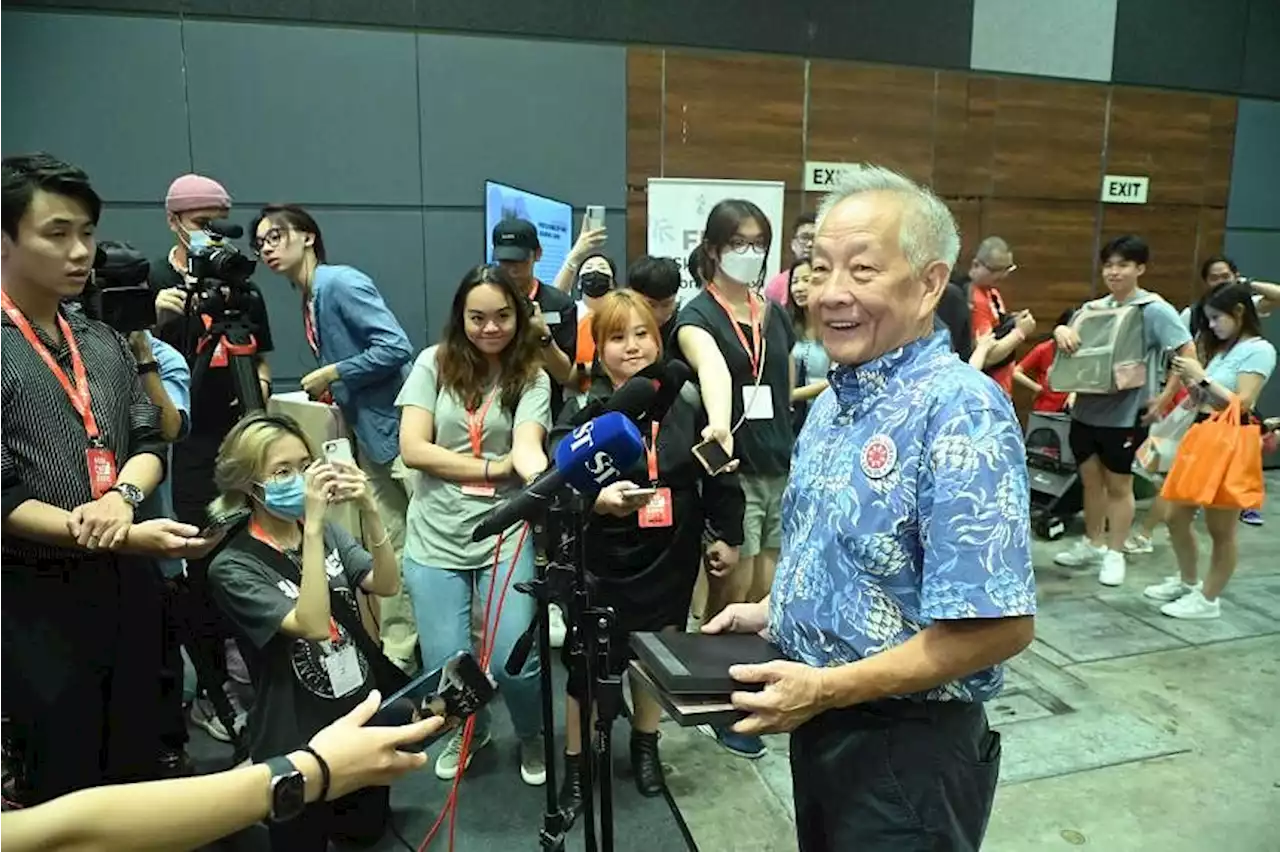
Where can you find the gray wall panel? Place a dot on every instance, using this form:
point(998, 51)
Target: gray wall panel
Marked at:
point(549, 117)
point(104, 93)
point(1181, 44)
point(145, 229)
point(305, 114)
point(1045, 37)
point(1254, 201)
point(455, 242)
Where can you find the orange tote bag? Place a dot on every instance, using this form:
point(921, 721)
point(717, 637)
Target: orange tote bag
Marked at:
point(1203, 457)
point(1242, 483)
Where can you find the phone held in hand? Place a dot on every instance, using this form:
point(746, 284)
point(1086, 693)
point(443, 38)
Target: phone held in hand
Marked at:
point(638, 493)
point(711, 454)
point(339, 451)
point(594, 220)
point(225, 522)
point(455, 692)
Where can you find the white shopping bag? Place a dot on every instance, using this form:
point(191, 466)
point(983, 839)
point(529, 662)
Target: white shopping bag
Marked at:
point(1157, 452)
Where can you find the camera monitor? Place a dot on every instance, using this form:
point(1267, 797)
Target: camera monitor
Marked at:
point(552, 218)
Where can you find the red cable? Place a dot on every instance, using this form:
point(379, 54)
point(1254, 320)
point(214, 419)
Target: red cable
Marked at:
point(487, 643)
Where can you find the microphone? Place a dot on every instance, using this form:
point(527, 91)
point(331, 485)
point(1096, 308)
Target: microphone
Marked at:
point(633, 399)
point(591, 457)
point(225, 228)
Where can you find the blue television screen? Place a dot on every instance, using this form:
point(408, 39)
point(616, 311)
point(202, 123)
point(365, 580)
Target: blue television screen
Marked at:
point(552, 218)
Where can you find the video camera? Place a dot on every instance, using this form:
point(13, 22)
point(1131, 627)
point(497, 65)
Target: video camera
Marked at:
point(117, 291)
point(212, 258)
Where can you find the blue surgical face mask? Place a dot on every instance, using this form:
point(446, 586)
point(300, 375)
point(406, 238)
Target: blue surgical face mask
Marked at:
point(285, 498)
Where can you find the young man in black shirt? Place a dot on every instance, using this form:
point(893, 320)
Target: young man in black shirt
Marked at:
point(182, 317)
point(658, 280)
point(81, 450)
point(555, 317)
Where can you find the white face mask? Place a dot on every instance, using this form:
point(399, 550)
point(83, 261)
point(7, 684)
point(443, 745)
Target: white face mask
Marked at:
point(743, 267)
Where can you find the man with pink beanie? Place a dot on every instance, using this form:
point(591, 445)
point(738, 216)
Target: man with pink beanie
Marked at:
point(191, 203)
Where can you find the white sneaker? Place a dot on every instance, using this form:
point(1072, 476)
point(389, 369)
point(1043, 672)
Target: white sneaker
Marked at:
point(1193, 605)
point(1137, 544)
point(1112, 571)
point(555, 624)
point(1081, 555)
point(1170, 589)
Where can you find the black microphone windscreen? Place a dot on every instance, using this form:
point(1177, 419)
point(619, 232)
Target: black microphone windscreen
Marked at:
point(634, 398)
point(224, 228)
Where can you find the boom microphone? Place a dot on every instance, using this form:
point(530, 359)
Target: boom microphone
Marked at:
point(225, 228)
point(591, 457)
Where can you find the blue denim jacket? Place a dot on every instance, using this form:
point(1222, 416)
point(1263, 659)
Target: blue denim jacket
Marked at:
point(356, 331)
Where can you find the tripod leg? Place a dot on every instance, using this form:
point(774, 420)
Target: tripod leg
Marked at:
point(209, 676)
point(244, 373)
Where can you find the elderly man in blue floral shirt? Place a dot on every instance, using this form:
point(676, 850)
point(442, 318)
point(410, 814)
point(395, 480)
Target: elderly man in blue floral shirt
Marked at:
point(905, 578)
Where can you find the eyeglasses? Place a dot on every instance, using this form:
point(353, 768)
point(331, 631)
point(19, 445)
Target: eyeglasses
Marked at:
point(1002, 270)
point(271, 238)
point(741, 244)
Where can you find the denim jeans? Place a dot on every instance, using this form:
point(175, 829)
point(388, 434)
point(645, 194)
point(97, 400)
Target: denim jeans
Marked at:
point(442, 601)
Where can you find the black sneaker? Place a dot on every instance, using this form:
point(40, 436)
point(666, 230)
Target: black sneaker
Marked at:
point(176, 763)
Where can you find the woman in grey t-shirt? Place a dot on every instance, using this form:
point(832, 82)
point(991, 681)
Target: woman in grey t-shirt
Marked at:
point(475, 413)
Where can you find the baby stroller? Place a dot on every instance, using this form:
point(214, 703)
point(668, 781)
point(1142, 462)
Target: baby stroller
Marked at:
point(1056, 492)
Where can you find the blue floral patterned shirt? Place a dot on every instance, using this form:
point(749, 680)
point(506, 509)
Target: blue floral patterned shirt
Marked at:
point(908, 502)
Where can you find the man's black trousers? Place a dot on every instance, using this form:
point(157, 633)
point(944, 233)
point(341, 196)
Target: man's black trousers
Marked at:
point(907, 776)
point(81, 651)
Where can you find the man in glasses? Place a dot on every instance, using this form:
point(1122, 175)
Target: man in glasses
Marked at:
point(997, 333)
point(777, 288)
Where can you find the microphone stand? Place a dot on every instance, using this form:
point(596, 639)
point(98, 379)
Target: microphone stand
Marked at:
point(563, 580)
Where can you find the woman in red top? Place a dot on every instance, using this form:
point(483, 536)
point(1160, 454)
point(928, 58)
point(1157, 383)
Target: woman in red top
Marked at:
point(1032, 372)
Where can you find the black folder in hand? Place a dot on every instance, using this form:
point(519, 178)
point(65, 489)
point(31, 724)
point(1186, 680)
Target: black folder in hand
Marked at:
point(697, 664)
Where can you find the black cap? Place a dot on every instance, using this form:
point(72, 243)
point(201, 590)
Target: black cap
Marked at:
point(515, 239)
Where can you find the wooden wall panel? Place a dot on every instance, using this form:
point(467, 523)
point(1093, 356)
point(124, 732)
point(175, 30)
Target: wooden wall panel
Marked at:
point(1222, 144)
point(1163, 136)
point(644, 115)
point(964, 134)
point(1048, 139)
point(874, 114)
point(1211, 234)
point(1052, 244)
point(738, 116)
point(968, 213)
point(1171, 233)
point(637, 223)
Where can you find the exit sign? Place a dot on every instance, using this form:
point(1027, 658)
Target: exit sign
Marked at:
point(1124, 189)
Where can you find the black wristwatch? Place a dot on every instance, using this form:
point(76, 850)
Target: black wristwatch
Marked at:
point(131, 493)
point(148, 367)
point(288, 789)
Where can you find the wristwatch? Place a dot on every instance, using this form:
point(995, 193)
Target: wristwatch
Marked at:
point(131, 493)
point(288, 789)
point(145, 367)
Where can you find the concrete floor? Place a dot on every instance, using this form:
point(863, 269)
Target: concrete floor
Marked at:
point(1123, 729)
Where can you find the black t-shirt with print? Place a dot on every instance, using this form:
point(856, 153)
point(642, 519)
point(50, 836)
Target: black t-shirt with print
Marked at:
point(293, 694)
point(561, 314)
point(763, 446)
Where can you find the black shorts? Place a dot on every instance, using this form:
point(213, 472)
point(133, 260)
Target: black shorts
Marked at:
point(1115, 446)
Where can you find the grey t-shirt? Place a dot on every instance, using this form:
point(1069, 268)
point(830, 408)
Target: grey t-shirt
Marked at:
point(441, 518)
point(1164, 334)
point(294, 695)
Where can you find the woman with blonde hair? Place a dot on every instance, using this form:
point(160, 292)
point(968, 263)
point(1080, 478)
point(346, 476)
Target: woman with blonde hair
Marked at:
point(288, 583)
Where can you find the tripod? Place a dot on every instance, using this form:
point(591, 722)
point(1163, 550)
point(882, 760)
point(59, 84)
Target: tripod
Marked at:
point(563, 580)
point(228, 334)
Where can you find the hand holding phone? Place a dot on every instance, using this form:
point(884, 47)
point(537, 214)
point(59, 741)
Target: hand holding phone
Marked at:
point(339, 451)
point(222, 524)
point(594, 220)
point(713, 457)
point(457, 690)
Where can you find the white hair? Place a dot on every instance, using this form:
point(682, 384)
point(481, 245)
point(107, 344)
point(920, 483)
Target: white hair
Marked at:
point(928, 233)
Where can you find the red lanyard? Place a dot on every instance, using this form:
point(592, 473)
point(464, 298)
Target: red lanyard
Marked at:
point(475, 423)
point(309, 327)
point(652, 452)
point(755, 349)
point(256, 530)
point(79, 392)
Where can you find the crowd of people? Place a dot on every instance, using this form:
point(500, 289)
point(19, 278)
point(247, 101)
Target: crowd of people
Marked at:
point(874, 519)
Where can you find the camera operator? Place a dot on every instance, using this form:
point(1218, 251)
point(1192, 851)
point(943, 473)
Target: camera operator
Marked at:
point(81, 451)
point(183, 315)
